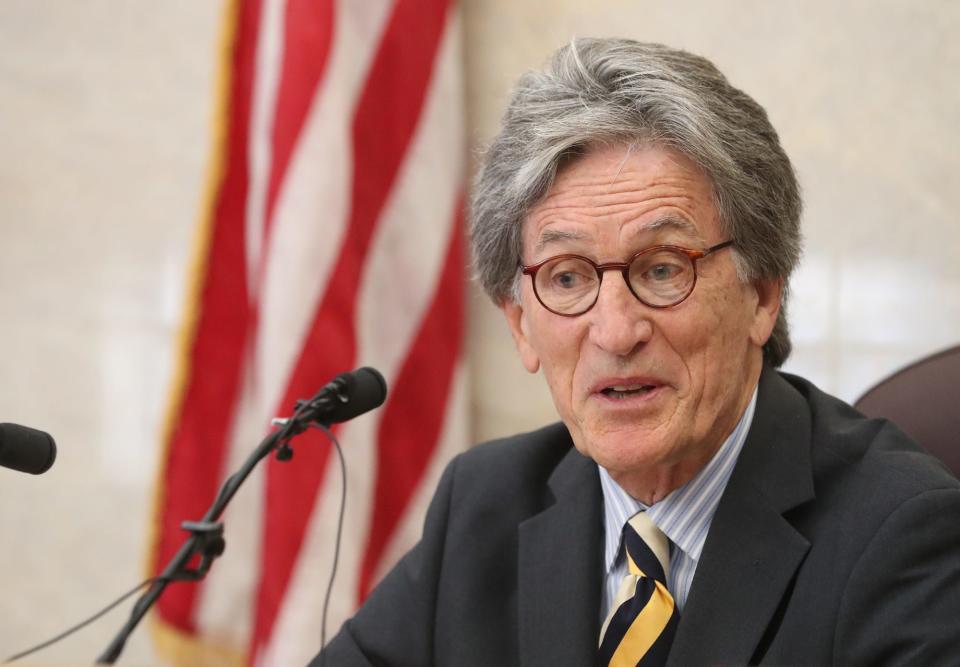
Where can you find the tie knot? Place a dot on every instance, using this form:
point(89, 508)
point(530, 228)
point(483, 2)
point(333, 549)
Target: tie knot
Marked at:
point(648, 552)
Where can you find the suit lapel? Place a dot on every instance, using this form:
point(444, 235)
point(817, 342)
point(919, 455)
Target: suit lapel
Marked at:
point(560, 565)
point(752, 552)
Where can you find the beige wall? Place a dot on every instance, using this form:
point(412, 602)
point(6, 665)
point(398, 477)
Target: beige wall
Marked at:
point(104, 110)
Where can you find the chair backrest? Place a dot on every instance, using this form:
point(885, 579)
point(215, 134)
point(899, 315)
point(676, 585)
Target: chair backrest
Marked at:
point(923, 399)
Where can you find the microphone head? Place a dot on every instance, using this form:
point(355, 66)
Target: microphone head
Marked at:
point(360, 391)
point(26, 449)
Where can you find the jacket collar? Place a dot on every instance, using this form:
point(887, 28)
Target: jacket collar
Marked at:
point(752, 552)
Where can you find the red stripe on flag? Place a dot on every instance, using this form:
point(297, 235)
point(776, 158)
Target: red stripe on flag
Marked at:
point(197, 445)
point(308, 32)
point(386, 117)
point(414, 416)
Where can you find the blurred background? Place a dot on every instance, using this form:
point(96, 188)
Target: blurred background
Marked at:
point(106, 112)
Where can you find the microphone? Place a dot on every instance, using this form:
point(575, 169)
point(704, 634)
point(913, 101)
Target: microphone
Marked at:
point(347, 396)
point(26, 449)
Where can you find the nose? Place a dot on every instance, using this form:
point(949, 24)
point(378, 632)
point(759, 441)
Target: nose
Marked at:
point(619, 322)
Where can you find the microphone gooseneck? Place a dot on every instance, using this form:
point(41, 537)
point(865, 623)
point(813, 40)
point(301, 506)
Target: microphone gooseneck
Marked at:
point(347, 396)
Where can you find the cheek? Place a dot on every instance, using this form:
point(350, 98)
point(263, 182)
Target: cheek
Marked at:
point(715, 349)
point(558, 346)
point(729, 357)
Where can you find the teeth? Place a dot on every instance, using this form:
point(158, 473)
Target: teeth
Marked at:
point(627, 389)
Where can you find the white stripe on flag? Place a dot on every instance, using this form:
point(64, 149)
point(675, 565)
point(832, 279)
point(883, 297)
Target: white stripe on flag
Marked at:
point(269, 56)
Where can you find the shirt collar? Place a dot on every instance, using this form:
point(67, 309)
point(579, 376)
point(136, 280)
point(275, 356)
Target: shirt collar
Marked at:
point(685, 514)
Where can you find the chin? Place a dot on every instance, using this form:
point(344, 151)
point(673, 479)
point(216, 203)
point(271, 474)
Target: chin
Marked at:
point(626, 450)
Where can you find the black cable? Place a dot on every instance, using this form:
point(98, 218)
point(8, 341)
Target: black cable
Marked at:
point(336, 543)
point(83, 624)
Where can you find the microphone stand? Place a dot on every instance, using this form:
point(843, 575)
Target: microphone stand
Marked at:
point(206, 535)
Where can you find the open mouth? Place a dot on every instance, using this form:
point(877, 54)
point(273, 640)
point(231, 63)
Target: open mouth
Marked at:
point(625, 391)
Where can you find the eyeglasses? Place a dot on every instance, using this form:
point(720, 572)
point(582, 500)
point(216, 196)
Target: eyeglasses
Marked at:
point(660, 277)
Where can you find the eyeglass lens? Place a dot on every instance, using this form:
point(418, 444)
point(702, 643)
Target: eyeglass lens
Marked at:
point(570, 285)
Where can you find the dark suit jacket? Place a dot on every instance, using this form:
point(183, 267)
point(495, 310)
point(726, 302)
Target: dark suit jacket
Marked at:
point(836, 541)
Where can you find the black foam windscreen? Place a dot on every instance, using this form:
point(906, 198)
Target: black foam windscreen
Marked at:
point(26, 449)
point(364, 389)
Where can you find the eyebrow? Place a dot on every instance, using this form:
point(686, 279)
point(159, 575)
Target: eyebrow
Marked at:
point(551, 236)
point(673, 222)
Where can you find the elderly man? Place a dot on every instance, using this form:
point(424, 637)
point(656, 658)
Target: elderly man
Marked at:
point(637, 222)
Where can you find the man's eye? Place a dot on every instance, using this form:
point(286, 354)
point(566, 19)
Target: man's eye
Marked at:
point(567, 279)
point(663, 272)
point(569, 275)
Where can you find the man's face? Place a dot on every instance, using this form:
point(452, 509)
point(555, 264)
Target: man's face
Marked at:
point(650, 394)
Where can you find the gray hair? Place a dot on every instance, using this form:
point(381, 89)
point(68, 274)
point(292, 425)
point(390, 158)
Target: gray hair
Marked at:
point(601, 91)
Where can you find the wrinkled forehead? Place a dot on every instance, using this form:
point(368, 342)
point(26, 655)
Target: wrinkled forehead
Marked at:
point(627, 190)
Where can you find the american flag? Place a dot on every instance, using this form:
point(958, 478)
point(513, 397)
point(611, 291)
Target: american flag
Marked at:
point(332, 238)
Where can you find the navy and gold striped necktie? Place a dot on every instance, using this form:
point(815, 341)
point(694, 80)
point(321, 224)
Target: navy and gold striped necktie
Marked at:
point(643, 618)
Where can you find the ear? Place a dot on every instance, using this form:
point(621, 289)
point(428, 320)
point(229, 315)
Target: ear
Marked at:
point(769, 295)
point(516, 320)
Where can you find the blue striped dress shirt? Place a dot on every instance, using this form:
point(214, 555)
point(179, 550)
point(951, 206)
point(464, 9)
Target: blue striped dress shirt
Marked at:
point(684, 516)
